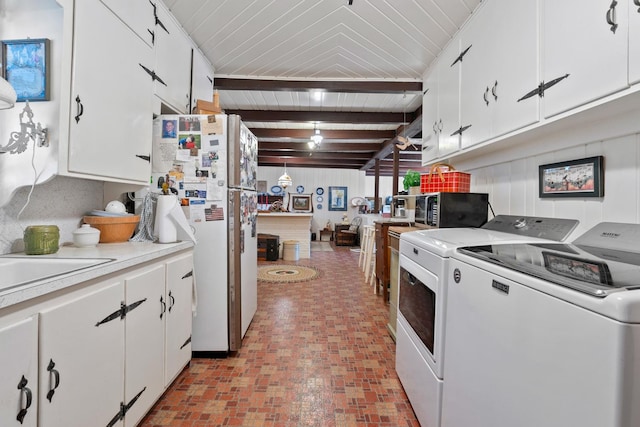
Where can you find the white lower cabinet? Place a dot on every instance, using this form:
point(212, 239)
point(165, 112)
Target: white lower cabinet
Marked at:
point(82, 359)
point(179, 315)
point(100, 355)
point(144, 342)
point(19, 373)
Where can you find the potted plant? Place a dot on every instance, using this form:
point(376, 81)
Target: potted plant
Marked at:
point(411, 179)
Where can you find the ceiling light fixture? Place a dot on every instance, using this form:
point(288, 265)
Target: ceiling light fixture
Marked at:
point(285, 180)
point(7, 95)
point(316, 138)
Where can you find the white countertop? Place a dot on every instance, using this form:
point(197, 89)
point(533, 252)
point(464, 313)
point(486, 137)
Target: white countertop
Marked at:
point(122, 255)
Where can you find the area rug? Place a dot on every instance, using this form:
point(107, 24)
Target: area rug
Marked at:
point(283, 273)
point(321, 247)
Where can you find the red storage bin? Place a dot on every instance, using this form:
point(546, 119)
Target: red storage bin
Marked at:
point(448, 180)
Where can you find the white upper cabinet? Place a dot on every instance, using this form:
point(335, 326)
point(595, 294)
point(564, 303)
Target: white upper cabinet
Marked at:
point(634, 42)
point(430, 118)
point(111, 115)
point(201, 79)
point(449, 127)
point(584, 51)
point(173, 62)
point(500, 66)
point(137, 14)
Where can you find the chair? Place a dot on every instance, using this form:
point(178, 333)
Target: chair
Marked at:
point(349, 237)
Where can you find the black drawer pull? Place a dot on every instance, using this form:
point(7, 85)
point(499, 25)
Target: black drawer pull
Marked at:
point(22, 386)
point(56, 379)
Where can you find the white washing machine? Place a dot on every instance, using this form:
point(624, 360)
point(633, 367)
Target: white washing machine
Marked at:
point(542, 334)
point(422, 299)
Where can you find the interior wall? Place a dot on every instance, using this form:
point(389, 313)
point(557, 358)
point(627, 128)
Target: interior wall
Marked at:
point(358, 185)
point(512, 181)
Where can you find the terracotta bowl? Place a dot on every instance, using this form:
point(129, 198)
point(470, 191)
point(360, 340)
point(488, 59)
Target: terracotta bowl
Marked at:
point(114, 229)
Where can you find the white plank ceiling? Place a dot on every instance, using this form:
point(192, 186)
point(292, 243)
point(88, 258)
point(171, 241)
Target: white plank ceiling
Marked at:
point(323, 40)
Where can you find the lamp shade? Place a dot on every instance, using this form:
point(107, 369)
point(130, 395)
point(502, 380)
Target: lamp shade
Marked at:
point(7, 95)
point(285, 180)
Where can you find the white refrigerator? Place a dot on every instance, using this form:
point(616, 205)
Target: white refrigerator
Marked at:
point(210, 162)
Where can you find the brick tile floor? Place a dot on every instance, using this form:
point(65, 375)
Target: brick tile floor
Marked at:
point(316, 354)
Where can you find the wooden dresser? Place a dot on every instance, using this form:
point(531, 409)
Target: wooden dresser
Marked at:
point(382, 253)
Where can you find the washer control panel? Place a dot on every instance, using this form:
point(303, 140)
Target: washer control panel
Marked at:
point(556, 229)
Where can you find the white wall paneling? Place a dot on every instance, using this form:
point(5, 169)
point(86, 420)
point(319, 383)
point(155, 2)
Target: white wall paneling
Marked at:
point(513, 184)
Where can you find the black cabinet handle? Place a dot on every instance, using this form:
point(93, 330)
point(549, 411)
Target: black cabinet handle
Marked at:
point(22, 386)
point(460, 130)
point(172, 301)
point(56, 379)
point(494, 91)
point(79, 109)
point(637, 3)
point(153, 74)
point(435, 127)
point(611, 16)
point(153, 36)
point(462, 54)
point(189, 274)
point(144, 157)
point(163, 306)
point(485, 96)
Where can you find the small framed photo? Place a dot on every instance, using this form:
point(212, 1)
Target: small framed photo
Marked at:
point(25, 64)
point(574, 178)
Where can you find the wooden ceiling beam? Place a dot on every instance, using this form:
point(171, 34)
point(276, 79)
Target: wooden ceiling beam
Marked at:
point(366, 86)
point(329, 147)
point(326, 134)
point(414, 128)
point(363, 156)
point(321, 116)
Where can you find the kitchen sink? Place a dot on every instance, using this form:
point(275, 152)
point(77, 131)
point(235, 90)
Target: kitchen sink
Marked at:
point(17, 271)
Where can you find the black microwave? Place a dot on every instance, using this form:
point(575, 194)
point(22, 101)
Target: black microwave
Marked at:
point(447, 210)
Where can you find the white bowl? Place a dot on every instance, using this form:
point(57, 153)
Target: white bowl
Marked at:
point(86, 236)
point(115, 206)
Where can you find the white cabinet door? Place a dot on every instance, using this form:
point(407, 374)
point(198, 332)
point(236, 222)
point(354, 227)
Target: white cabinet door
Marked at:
point(179, 315)
point(144, 344)
point(111, 120)
point(515, 64)
point(579, 43)
point(500, 67)
point(82, 359)
point(19, 374)
point(173, 62)
point(201, 79)
point(634, 41)
point(477, 76)
point(137, 14)
point(449, 99)
point(430, 118)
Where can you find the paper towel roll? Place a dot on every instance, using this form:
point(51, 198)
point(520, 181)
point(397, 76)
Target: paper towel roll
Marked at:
point(165, 228)
point(170, 219)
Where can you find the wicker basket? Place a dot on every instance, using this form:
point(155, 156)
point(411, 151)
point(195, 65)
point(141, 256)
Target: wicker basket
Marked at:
point(114, 229)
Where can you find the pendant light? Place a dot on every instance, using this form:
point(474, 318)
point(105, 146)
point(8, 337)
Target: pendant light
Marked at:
point(316, 138)
point(285, 180)
point(7, 95)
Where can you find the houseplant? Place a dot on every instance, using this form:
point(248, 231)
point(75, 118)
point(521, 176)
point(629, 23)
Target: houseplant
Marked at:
point(411, 179)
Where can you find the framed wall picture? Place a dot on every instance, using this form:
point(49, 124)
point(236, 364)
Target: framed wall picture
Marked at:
point(25, 64)
point(300, 203)
point(574, 178)
point(337, 198)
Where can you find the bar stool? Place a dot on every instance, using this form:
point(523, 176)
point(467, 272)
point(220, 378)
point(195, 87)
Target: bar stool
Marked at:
point(369, 250)
point(366, 235)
